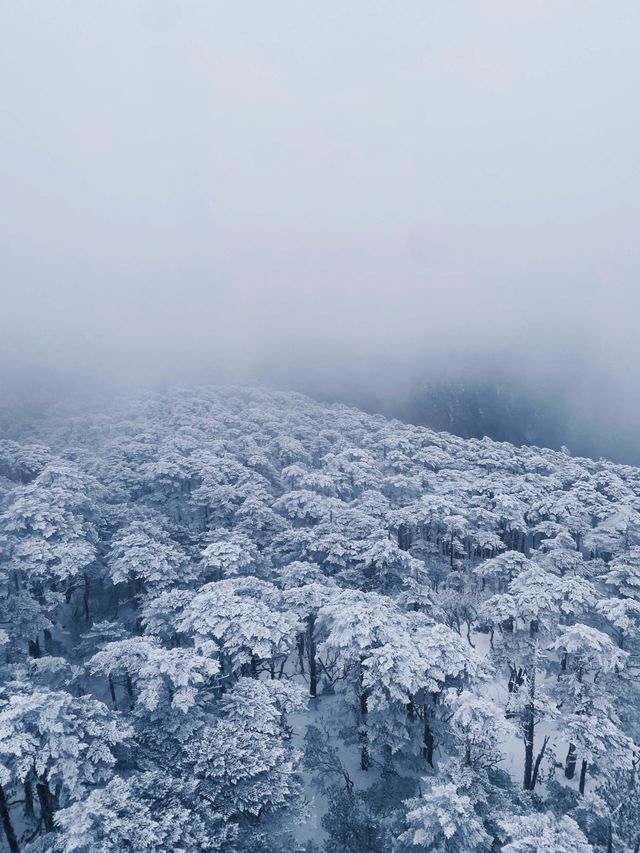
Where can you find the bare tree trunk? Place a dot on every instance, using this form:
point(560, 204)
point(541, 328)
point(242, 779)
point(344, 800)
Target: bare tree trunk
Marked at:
point(129, 686)
point(427, 749)
point(529, 731)
point(28, 798)
point(583, 775)
point(85, 598)
point(46, 806)
point(311, 656)
point(469, 640)
point(365, 760)
point(5, 817)
point(570, 763)
point(112, 691)
point(536, 766)
point(48, 641)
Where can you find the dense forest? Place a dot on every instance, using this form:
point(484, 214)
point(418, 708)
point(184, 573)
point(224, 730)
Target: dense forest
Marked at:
point(239, 620)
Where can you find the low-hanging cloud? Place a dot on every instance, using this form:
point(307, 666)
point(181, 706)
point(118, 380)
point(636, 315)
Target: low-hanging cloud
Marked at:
point(337, 194)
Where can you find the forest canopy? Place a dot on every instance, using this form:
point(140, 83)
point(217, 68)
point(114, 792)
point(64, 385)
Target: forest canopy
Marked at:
point(239, 620)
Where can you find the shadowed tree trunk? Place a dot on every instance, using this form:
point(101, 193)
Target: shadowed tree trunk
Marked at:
point(365, 760)
point(5, 817)
point(311, 653)
point(427, 749)
point(85, 599)
point(112, 691)
point(28, 798)
point(536, 766)
point(129, 686)
point(583, 775)
point(529, 731)
point(46, 805)
point(570, 763)
point(48, 641)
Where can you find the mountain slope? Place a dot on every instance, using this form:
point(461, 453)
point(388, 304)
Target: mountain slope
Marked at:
point(224, 608)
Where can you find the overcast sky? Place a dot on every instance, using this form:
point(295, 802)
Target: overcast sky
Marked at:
point(195, 188)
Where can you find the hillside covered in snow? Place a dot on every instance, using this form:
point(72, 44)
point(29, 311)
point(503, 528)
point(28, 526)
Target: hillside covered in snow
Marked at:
point(238, 620)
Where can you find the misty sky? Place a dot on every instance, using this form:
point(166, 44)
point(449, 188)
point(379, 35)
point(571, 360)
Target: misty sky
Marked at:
point(191, 189)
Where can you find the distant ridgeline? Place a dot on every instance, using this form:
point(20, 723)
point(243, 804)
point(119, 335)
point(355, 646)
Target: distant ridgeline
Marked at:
point(500, 411)
point(240, 620)
point(505, 411)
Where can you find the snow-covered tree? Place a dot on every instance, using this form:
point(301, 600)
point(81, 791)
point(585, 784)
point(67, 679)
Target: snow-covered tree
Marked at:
point(148, 559)
point(242, 622)
point(58, 742)
point(544, 833)
point(446, 817)
point(156, 676)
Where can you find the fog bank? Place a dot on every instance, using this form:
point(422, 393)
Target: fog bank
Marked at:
point(352, 199)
